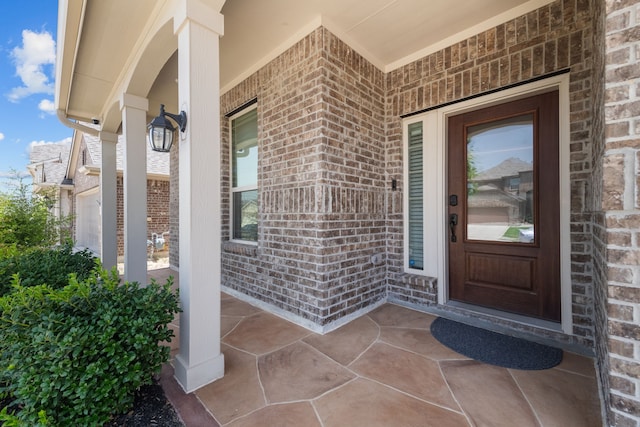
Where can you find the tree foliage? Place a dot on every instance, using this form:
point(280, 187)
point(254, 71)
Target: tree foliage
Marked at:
point(26, 220)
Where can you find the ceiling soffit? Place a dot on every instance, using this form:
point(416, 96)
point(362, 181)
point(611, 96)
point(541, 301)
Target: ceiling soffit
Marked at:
point(124, 44)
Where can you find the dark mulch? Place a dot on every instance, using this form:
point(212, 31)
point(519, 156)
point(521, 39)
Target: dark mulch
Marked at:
point(150, 408)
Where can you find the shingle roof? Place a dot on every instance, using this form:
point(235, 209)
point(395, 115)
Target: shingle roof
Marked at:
point(157, 163)
point(510, 167)
point(49, 162)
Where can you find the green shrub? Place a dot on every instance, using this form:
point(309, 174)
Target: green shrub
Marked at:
point(45, 266)
point(79, 353)
point(26, 220)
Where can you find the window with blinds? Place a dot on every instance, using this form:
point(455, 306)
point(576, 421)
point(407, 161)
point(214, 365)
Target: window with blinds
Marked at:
point(415, 196)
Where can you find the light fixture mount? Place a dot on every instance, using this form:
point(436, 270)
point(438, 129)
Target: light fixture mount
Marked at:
point(161, 130)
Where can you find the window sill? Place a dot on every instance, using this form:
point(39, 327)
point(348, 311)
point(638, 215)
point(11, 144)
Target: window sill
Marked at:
point(240, 248)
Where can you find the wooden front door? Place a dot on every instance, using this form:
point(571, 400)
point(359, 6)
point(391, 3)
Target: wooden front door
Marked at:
point(503, 197)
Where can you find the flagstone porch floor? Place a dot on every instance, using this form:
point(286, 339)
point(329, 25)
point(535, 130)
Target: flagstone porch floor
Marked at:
point(383, 369)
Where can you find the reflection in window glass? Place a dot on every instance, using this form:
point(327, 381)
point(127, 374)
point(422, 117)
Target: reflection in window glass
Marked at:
point(244, 131)
point(500, 185)
point(244, 176)
point(245, 215)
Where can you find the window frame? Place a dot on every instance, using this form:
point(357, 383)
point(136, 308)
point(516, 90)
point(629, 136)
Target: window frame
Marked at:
point(233, 190)
point(429, 208)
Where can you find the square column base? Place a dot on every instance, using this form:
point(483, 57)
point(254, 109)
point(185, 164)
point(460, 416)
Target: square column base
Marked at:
point(192, 378)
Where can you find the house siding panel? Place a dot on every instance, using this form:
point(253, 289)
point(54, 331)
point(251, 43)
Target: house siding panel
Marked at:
point(81, 183)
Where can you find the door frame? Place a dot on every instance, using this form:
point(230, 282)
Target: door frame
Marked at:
point(435, 188)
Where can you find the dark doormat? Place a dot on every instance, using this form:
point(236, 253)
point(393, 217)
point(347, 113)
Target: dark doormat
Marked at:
point(494, 348)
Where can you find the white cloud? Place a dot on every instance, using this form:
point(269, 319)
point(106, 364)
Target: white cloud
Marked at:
point(65, 141)
point(1, 136)
point(37, 51)
point(47, 106)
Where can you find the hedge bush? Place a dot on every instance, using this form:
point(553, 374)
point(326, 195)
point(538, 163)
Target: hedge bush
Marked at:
point(45, 266)
point(26, 220)
point(76, 355)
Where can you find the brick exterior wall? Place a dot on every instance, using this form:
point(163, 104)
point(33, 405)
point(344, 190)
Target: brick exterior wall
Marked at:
point(157, 200)
point(331, 141)
point(598, 224)
point(321, 183)
point(555, 37)
point(619, 213)
point(157, 209)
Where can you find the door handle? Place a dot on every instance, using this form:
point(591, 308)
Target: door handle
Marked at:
point(453, 221)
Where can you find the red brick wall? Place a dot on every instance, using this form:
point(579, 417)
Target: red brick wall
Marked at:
point(157, 209)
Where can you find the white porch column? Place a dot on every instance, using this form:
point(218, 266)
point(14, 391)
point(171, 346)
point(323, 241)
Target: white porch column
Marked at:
point(134, 128)
point(108, 201)
point(198, 28)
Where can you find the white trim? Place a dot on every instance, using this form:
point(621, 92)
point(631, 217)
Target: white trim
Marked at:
point(429, 209)
point(299, 320)
point(435, 161)
point(232, 189)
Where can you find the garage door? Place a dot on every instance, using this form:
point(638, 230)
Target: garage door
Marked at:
point(496, 215)
point(88, 220)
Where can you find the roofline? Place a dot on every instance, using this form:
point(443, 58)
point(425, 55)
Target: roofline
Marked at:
point(70, 21)
point(94, 170)
point(53, 184)
point(65, 120)
point(73, 154)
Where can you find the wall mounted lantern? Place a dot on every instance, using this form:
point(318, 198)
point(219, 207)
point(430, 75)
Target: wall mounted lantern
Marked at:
point(161, 130)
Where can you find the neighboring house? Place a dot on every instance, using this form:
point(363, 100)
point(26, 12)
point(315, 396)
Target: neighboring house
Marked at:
point(48, 169)
point(502, 194)
point(345, 124)
point(74, 170)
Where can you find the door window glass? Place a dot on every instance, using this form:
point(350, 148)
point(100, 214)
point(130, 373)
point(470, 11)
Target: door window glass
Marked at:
point(500, 181)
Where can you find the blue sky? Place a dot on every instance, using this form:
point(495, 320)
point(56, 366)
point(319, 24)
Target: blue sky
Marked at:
point(28, 31)
point(494, 146)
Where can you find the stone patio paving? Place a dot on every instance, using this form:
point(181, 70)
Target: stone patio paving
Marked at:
point(383, 369)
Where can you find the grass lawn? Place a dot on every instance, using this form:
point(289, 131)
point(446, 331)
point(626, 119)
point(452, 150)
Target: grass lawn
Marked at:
point(513, 233)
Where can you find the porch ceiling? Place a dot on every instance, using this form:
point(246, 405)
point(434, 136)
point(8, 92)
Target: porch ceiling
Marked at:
point(100, 40)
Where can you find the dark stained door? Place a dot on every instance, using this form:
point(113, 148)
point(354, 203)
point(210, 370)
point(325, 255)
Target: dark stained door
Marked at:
point(503, 188)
